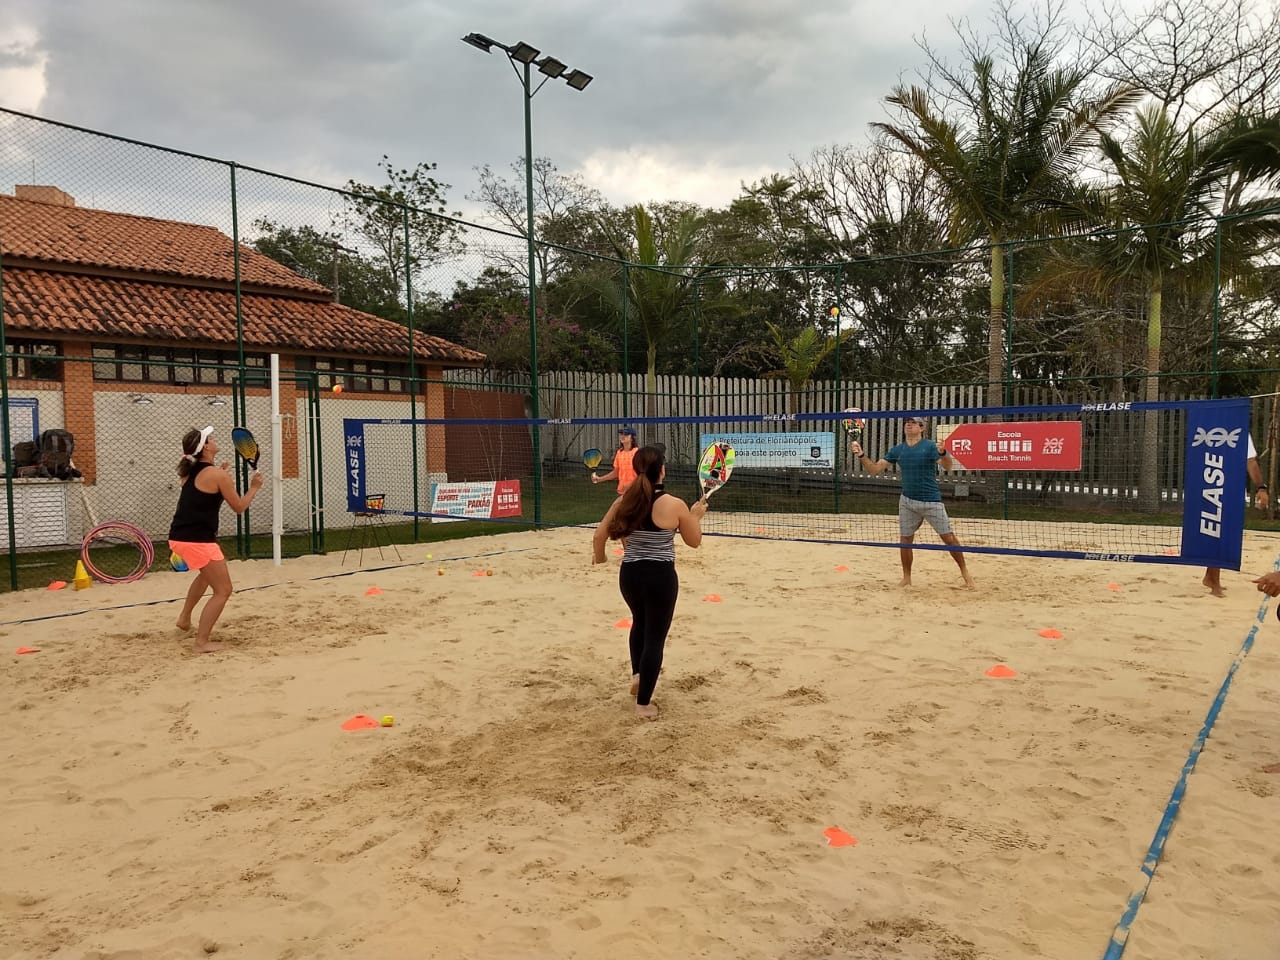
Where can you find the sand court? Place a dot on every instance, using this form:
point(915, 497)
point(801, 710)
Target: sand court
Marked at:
point(163, 805)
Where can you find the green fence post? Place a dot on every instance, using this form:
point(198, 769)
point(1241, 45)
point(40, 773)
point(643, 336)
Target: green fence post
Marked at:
point(1008, 353)
point(1217, 291)
point(626, 344)
point(4, 437)
point(413, 378)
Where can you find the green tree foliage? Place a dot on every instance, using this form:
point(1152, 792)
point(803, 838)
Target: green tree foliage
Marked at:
point(404, 219)
point(1004, 146)
point(356, 282)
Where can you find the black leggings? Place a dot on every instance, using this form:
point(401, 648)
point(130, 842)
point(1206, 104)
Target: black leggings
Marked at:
point(650, 588)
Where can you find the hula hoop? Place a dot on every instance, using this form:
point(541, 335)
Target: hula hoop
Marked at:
point(117, 532)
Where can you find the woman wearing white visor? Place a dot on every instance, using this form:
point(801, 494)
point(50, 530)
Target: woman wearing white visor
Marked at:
point(193, 535)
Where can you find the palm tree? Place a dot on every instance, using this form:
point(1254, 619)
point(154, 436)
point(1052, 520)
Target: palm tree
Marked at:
point(659, 281)
point(1005, 165)
point(1188, 208)
point(802, 355)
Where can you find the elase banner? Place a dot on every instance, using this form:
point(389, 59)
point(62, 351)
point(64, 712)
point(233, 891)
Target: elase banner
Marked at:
point(482, 500)
point(1217, 448)
point(354, 469)
point(777, 449)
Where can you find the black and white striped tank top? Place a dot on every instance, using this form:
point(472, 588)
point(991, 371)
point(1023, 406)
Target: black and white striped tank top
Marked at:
point(650, 542)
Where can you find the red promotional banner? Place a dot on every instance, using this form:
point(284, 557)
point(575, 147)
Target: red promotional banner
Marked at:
point(1041, 445)
point(506, 499)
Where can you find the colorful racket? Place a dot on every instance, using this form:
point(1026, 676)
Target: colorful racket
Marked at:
point(715, 467)
point(591, 459)
point(853, 426)
point(246, 446)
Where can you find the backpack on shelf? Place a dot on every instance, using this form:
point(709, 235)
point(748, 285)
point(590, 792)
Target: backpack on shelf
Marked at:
point(26, 459)
point(56, 448)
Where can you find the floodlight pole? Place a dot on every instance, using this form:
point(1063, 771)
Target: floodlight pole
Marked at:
point(523, 57)
point(533, 295)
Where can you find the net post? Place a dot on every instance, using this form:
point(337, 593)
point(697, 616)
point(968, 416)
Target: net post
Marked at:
point(277, 462)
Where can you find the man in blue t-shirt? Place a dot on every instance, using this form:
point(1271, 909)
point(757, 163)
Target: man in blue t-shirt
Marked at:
point(917, 460)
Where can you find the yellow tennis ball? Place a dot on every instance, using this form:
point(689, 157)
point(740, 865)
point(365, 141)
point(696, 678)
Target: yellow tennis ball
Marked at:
point(428, 556)
point(388, 721)
point(337, 388)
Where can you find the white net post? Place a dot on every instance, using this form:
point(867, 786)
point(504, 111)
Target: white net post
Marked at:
point(277, 461)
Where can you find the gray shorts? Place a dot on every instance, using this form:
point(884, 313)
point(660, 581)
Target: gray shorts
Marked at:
point(912, 513)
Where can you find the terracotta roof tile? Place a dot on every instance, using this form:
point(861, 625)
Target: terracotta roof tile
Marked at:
point(54, 303)
point(78, 236)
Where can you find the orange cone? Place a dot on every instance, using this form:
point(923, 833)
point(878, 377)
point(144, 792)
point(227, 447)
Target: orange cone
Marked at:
point(373, 592)
point(842, 569)
point(1000, 670)
point(838, 838)
point(623, 624)
point(1051, 634)
point(21, 650)
point(359, 722)
point(57, 585)
point(711, 598)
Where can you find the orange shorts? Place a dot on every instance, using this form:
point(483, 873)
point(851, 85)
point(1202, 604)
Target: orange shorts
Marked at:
point(197, 555)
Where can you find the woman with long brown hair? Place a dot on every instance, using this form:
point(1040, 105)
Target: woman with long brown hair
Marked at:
point(646, 518)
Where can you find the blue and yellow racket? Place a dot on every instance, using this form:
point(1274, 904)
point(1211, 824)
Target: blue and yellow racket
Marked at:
point(246, 446)
point(591, 459)
point(715, 467)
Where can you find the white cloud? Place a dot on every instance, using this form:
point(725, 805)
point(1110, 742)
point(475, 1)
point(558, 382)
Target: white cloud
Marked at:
point(22, 67)
point(640, 175)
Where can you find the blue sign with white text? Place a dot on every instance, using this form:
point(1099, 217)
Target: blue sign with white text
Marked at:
point(353, 430)
point(1217, 447)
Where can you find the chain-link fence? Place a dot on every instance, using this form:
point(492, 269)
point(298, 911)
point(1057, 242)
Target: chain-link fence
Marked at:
point(144, 288)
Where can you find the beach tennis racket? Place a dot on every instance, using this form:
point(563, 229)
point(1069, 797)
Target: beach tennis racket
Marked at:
point(591, 459)
point(853, 425)
point(246, 446)
point(715, 467)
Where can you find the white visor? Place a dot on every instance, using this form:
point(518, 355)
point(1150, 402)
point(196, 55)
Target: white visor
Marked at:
point(204, 437)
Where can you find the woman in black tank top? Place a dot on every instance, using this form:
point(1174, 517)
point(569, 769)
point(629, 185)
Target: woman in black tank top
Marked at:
point(646, 518)
point(193, 534)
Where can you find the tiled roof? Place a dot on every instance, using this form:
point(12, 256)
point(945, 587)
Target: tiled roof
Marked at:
point(50, 303)
point(31, 230)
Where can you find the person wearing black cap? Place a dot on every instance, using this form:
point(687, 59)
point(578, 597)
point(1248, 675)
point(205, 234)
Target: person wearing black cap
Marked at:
point(917, 459)
point(193, 535)
point(622, 468)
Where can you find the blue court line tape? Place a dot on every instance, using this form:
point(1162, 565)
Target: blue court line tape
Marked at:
point(1120, 936)
point(264, 586)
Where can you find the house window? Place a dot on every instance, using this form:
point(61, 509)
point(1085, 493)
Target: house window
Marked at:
point(169, 365)
point(363, 376)
point(33, 360)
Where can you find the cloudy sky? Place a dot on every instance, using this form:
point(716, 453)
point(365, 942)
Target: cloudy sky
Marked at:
point(691, 97)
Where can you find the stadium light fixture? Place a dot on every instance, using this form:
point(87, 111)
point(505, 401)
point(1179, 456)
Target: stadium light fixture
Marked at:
point(216, 401)
point(522, 56)
point(552, 67)
point(523, 53)
point(141, 399)
point(481, 42)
